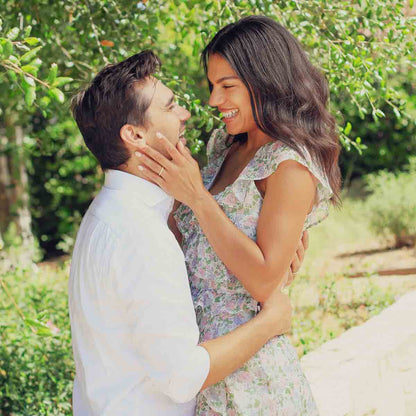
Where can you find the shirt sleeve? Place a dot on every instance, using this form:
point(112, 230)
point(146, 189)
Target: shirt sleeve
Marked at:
point(152, 281)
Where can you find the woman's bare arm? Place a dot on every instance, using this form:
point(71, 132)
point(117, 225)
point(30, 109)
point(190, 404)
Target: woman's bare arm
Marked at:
point(260, 265)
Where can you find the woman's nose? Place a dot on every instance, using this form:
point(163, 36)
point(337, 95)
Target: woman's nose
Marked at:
point(216, 98)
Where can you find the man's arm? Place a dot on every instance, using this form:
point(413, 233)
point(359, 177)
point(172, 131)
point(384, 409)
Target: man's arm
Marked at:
point(159, 306)
point(231, 351)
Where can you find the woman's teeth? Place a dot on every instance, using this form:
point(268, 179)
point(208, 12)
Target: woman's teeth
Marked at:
point(230, 114)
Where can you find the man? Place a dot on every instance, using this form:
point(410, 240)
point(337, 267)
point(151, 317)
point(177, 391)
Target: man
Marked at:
point(134, 331)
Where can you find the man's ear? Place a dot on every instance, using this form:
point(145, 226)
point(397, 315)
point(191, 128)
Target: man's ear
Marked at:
point(131, 135)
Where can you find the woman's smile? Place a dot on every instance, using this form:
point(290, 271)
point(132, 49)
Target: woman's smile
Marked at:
point(229, 115)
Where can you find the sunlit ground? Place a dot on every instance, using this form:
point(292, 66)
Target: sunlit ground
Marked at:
point(326, 301)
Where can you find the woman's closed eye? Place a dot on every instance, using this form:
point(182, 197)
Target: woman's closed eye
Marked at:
point(228, 86)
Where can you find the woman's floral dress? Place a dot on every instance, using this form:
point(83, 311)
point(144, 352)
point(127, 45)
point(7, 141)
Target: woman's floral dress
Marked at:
point(271, 383)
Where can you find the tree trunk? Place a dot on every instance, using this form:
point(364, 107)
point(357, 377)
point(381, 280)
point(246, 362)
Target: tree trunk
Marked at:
point(14, 196)
point(6, 193)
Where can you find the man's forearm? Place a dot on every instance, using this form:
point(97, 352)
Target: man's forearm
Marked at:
point(229, 352)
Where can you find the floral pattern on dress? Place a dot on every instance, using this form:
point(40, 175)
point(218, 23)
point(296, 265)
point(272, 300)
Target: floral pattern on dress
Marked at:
point(271, 383)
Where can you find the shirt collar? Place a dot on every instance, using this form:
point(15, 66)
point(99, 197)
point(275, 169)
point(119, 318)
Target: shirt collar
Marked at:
point(146, 191)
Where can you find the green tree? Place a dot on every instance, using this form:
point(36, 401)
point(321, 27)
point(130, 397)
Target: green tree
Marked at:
point(20, 85)
point(360, 46)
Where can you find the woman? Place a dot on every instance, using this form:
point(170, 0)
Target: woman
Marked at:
point(270, 176)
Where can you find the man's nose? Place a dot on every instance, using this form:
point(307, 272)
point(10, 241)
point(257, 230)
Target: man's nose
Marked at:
point(184, 114)
point(216, 98)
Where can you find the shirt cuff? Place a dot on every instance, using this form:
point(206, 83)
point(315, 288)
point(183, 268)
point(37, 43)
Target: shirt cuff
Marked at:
point(186, 384)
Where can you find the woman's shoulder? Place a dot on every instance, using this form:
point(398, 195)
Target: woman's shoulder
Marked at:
point(272, 154)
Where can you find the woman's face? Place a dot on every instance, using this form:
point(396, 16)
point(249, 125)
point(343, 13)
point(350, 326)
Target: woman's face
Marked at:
point(230, 96)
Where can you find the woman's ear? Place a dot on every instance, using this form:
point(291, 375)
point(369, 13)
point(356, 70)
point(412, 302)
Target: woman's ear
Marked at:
point(132, 136)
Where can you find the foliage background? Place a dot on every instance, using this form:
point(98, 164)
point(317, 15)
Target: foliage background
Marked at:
point(51, 49)
point(366, 50)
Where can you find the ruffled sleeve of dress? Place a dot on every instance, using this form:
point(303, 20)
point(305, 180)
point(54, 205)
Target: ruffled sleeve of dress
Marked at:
point(216, 150)
point(217, 144)
point(270, 156)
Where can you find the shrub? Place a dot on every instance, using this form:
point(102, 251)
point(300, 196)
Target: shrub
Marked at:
point(392, 204)
point(36, 366)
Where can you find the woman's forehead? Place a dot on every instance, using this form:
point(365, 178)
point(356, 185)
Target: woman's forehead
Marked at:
point(219, 68)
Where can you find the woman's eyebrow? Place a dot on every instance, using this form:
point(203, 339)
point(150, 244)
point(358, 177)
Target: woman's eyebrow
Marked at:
point(226, 78)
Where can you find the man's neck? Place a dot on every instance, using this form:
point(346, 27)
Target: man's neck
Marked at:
point(129, 167)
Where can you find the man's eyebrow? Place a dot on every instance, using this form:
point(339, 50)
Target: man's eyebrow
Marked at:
point(170, 101)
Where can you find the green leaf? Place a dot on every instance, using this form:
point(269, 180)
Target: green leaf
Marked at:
point(7, 48)
point(28, 56)
point(347, 129)
point(12, 34)
point(52, 74)
point(41, 328)
point(31, 69)
point(397, 113)
point(36, 62)
point(57, 94)
point(14, 59)
point(32, 41)
point(44, 101)
point(60, 81)
point(411, 4)
point(380, 113)
point(27, 31)
point(12, 75)
point(210, 125)
point(30, 96)
point(29, 81)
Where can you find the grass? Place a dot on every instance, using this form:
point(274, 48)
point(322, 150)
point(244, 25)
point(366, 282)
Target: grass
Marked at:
point(36, 366)
point(327, 302)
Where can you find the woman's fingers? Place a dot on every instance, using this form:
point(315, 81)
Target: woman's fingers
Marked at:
point(184, 151)
point(290, 278)
point(145, 160)
point(305, 240)
point(155, 155)
point(295, 266)
point(170, 148)
point(300, 252)
point(146, 173)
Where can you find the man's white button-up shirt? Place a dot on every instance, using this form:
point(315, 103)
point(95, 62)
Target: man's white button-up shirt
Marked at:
point(134, 331)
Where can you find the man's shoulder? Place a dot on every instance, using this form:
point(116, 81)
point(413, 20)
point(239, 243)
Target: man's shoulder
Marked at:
point(125, 218)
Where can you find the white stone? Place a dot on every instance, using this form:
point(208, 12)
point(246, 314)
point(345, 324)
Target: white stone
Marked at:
point(370, 369)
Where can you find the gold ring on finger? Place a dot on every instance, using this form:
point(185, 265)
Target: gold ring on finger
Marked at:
point(161, 171)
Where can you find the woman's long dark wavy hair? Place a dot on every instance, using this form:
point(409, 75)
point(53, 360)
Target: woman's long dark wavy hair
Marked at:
point(288, 94)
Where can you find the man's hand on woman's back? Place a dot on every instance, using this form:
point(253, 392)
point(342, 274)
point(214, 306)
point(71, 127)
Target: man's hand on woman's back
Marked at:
point(278, 311)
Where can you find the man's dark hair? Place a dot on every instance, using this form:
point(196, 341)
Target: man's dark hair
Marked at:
point(111, 101)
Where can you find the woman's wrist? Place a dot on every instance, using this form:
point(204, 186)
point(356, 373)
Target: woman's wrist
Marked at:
point(200, 201)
